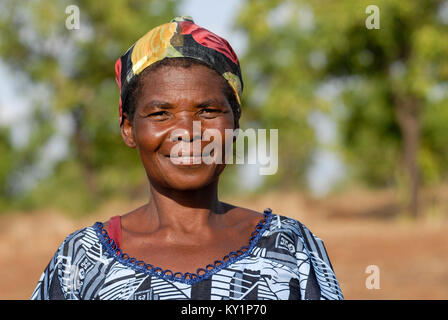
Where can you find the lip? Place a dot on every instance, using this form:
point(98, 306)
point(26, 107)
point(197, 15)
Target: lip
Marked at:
point(186, 160)
point(185, 156)
point(191, 155)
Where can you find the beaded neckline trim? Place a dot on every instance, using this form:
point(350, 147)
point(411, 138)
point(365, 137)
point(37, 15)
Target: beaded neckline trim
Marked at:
point(187, 277)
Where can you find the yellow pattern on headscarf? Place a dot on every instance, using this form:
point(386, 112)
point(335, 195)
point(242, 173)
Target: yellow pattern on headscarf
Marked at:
point(235, 83)
point(152, 46)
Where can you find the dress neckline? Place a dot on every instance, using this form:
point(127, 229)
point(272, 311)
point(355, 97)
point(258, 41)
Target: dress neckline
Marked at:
point(188, 278)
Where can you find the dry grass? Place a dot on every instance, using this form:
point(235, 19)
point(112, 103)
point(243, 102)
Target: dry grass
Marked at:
point(358, 229)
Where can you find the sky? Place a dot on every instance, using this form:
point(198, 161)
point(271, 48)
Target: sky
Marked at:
point(217, 16)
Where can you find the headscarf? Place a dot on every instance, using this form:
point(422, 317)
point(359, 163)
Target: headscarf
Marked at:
point(179, 38)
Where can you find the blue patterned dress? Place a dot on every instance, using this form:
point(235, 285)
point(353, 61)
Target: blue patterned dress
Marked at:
point(283, 261)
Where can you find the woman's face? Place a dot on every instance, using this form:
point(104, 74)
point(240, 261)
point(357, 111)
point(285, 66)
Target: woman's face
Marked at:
point(170, 100)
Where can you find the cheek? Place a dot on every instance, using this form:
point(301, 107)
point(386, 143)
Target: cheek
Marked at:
point(220, 123)
point(148, 137)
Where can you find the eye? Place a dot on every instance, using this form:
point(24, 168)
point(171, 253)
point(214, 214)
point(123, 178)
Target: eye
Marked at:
point(160, 115)
point(209, 112)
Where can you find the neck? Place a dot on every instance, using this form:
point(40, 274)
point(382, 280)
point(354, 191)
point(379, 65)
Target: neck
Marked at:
point(184, 210)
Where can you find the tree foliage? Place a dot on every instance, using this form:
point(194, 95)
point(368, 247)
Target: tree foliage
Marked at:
point(392, 82)
point(384, 88)
point(77, 69)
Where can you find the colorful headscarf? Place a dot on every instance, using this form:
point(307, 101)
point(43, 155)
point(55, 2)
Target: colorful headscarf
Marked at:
point(179, 38)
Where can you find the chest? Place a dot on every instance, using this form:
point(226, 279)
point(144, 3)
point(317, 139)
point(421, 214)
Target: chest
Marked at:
point(188, 256)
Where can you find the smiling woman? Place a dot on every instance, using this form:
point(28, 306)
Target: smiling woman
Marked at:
point(171, 96)
point(185, 243)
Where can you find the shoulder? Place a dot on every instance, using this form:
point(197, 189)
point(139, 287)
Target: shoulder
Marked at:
point(293, 227)
point(85, 249)
point(292, 235)
point(79, 242)
point(289, 242)
point(78, 256)
point(242, 216)
point(84, 235)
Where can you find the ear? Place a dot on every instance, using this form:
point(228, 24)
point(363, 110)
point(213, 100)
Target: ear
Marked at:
point(127, 132)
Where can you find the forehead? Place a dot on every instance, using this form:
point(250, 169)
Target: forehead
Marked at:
point(179, 84)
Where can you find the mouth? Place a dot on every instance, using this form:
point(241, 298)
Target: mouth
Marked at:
point(188, 160)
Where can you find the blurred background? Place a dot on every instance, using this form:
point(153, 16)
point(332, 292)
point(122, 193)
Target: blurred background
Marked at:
point(362, 115)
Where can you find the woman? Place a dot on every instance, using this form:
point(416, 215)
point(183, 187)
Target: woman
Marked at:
point(185, 243)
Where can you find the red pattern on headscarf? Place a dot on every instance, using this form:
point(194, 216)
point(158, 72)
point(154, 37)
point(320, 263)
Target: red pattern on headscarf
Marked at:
point(208, 39)
point(118, 79)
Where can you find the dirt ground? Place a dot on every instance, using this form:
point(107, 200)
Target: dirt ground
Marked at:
point(412, 256)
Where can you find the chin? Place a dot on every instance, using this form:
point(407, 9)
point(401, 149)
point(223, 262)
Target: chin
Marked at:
point(191, 181)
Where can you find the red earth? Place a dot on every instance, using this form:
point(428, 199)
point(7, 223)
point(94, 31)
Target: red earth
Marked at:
point(358, 231)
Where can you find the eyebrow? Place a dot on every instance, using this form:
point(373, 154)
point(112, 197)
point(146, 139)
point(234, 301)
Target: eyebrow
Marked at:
point(211, 102)
point(166, 105)
point(158, 104)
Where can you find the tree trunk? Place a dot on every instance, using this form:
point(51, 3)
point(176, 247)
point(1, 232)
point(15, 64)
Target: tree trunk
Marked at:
point(408, 116)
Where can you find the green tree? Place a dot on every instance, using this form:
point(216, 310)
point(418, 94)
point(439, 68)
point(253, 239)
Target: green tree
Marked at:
point(77, 68)
point(392, 103)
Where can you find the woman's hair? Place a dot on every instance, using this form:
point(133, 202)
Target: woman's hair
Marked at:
point(135, 87)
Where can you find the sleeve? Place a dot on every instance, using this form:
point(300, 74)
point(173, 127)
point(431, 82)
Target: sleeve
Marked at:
point(321, 282)
point(49, 286)
point(59, 281)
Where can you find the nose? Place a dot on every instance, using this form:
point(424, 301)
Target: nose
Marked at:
point(187, 130)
